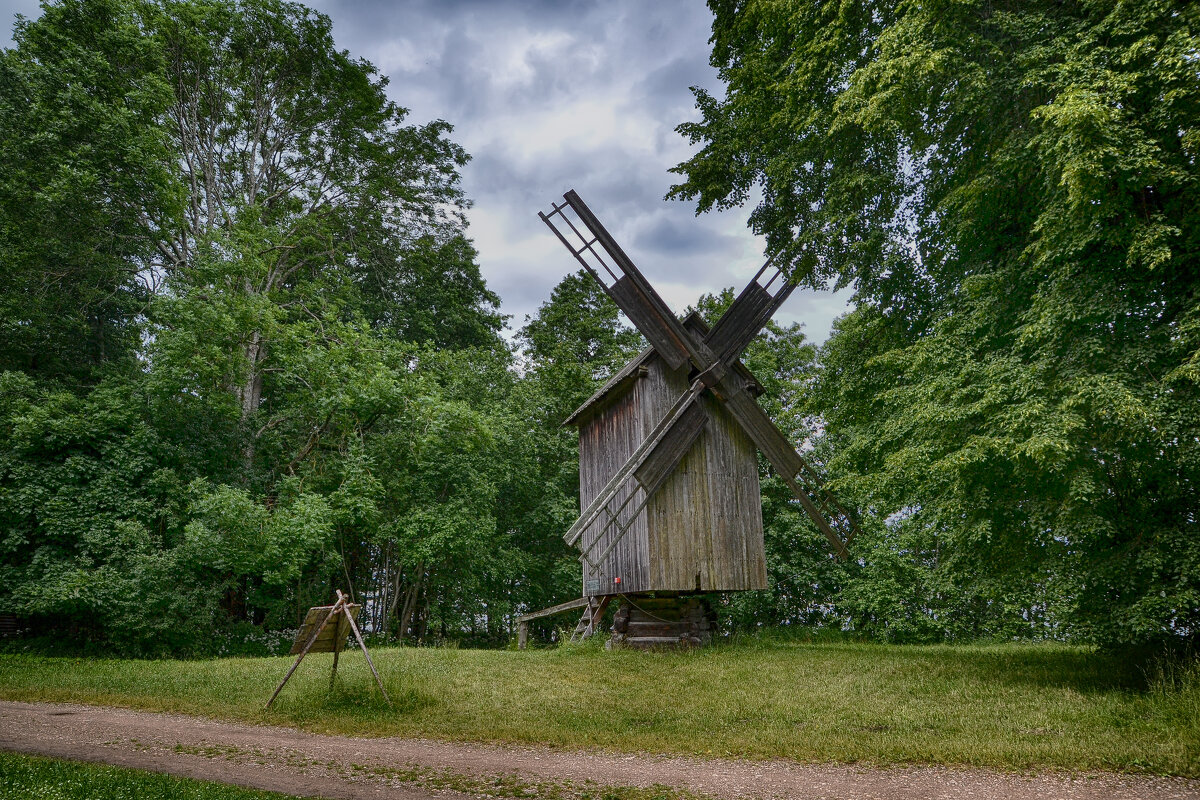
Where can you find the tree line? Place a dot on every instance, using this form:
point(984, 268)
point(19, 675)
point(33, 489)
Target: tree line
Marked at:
point(247, 355)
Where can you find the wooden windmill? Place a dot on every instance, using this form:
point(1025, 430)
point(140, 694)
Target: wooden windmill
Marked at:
point(667, 466)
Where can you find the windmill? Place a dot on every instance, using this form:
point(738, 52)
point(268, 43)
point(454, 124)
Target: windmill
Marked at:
point(668, 471)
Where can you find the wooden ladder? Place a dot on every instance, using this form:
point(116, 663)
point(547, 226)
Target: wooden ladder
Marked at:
point(592, 615)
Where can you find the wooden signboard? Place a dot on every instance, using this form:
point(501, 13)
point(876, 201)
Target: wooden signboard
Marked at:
point(325, 630)
point(332, 637)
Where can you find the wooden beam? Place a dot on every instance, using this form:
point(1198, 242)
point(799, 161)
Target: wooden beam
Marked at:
point(337, 642)
point(817, 517)
point(552, 610)
point(671, 448)
point(363, 645)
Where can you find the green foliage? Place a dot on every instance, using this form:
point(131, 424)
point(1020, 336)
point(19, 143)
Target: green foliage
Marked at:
point(437, 297)
point(80, 156)
point(1012, 192)
point(232, 535)
point(247, 354)
point(89, 507)
point(317, 380)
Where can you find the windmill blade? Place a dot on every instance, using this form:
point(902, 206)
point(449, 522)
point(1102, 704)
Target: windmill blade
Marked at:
point(749, 312)
point(624, 283)
point(679, 438)
point(611, 489)
point(655, 458)
point(830, 517)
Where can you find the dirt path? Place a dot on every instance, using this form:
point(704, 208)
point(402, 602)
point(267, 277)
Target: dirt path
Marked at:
point(287, 760)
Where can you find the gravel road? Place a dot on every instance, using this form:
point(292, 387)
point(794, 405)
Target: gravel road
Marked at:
point(295, 762)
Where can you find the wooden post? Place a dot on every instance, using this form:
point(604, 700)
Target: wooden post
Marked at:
point(363, 645)
point(333, 612)
point(337, 641)
point(522, 635)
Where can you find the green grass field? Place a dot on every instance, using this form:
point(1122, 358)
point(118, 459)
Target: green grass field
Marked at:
point(30, 778)
point(1011, 706)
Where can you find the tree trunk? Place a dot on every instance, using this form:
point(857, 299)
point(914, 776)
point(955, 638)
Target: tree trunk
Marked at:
point(412, 596)
point(250, 395)
point(394, 595)
point(422, 623)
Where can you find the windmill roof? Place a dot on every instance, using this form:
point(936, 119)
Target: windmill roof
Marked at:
point(623, 378)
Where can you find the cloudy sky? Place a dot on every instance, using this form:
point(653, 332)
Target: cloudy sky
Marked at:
point(549, 96)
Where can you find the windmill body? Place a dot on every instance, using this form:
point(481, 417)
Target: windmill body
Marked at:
point(668, 466)
point(701, 531)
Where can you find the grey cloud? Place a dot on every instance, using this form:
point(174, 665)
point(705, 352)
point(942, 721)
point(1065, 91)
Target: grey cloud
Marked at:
point(669, 83)
point(666, 233)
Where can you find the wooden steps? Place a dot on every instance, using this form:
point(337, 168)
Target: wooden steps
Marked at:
point(593, 614)
point(670, 622)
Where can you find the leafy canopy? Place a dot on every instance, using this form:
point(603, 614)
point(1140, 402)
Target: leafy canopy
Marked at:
point(1012, 190)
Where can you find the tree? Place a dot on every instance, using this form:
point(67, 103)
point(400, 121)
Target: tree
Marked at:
point(80, 158)
point(1012, 190)
point(269, 259)
point(437, 296)
point(298, 171)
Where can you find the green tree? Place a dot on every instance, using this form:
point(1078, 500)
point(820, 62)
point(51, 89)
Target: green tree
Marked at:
point(437, 296)
point(298, 170)
point(1012, 191)
point(284, 257)
point(81, 157)
point(319, 233)
point(90, 508)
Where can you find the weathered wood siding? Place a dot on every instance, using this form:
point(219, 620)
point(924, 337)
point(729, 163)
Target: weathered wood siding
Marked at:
point(705, 523)
point(605, 442)
point(703, 528)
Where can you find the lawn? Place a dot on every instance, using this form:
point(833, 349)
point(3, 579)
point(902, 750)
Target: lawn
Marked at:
point(24, 777)
point(1010, 706)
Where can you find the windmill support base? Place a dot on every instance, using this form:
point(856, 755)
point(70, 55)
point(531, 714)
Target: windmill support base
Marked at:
point(663, 622)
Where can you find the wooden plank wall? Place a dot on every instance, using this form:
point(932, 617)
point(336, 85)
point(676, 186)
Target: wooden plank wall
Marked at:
point(605, 442)
point(705, 523)
point(703, 528)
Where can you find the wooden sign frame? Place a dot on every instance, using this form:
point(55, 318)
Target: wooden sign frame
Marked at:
point(341, 611)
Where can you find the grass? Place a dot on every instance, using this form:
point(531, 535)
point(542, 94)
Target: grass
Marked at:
point(35, 778)
point(1008, 706)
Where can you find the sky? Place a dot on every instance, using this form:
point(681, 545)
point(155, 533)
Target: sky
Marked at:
point(551, 96)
